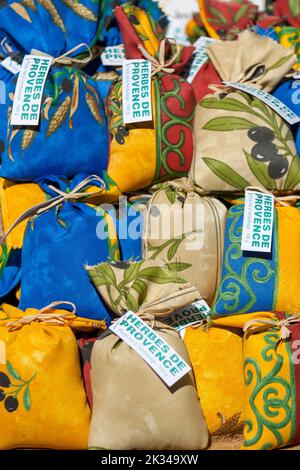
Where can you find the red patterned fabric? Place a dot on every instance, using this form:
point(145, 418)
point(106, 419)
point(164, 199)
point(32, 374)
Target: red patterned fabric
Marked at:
point(290, 10)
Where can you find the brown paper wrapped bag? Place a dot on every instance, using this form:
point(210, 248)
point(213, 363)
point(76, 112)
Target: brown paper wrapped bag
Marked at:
point(132, 407)
point(240, 140)
point(185, 228)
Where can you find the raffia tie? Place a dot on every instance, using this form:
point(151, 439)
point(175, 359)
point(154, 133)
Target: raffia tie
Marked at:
point(73, 195)
point(57, 319)
point(65, 58)
point(161, 65)
point(285, 332)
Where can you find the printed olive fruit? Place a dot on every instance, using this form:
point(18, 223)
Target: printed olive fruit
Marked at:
point(119, 138)
point(123, 131)
point(4, 380)
point(278, 167)
point(11, 404)
point(2, 395)
point(261, 134)
point(66, 85)
point(264, 152)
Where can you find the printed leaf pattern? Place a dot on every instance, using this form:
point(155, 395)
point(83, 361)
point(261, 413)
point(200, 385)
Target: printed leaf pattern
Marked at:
point(226, 173)
point(21, 11)
point(228, 123)
point(294, 6)
point(12, 385)
point(260, 171)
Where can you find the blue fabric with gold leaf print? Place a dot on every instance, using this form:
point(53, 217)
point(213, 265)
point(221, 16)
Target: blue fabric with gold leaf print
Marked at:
point(72, 136)
point(51, 26)
point(248, 279)
point(57, 245)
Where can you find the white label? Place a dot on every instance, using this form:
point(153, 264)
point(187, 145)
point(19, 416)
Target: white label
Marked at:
point(284, 111)
point(136, 89)
point(200, 57)
point(114, 55)
point(29, 90)
point(11, 65)
point(189, 315)
point(203, 41)
point(260, 3)
point(258, 222)
point(181, 9)
point(176, 30)
point(163, 359)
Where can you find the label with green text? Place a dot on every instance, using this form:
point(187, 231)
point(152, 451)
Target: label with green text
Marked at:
point(113, 55)
point(136, 91)
point(163, 359)
point(258, 222)
point(189, 315)
point(29, 90)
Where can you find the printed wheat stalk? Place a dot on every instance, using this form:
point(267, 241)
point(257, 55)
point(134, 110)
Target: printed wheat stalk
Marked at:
point(27, 138)
point(59, 116)
point(29, 4)
point(50, 7)
point(81, 10)
point(92, 104)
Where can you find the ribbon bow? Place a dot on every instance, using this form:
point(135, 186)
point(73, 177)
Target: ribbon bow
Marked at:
point(65, 58)
point(161, 65)
point(42, 316)
point(73, 195)
point(285, 332)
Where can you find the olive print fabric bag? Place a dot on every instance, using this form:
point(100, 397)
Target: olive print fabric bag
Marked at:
point(240, 141)
point(187, 230)
point(144, 413)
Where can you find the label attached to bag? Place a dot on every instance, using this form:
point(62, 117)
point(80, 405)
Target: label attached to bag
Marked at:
point(113, 55)
point(200, 57)
point(258, 222)
point(203, 41)
point(189, 315)
point(177, 30)
point(29, 90)
point(284, 111)
point(163, 359)
point(136, 89)
point(11, 65)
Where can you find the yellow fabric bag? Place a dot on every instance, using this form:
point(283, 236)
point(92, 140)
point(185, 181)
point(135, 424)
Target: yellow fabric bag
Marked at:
point(42, 398)
point(217, 361)
point(15, 199)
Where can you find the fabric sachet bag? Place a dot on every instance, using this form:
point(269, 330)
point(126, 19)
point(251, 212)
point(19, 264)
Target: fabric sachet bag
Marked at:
point(240, 141)
point(151, 416)
point(72, 135)
point(271, 371)
point(60, 238)
point(187, 230)
point(252, 281)
point(40, 380)
point(217, 360)
point(167, 140)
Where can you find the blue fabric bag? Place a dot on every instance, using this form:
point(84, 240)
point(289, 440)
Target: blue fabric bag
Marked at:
point(57, 245)
point(51, 26)
point(72, 136)
point(289, 93)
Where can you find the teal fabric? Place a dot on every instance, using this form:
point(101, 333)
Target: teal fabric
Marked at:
point(248, 278)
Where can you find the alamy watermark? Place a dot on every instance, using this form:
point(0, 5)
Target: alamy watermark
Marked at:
point(163, 222)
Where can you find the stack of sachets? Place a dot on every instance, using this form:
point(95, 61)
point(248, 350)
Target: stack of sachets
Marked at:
point(183, 297)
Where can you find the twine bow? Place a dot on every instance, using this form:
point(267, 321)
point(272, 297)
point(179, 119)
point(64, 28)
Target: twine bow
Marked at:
point(285, 332)
point(65, 58)
point(161, 65)
point(73, 195)
point(50, 318)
